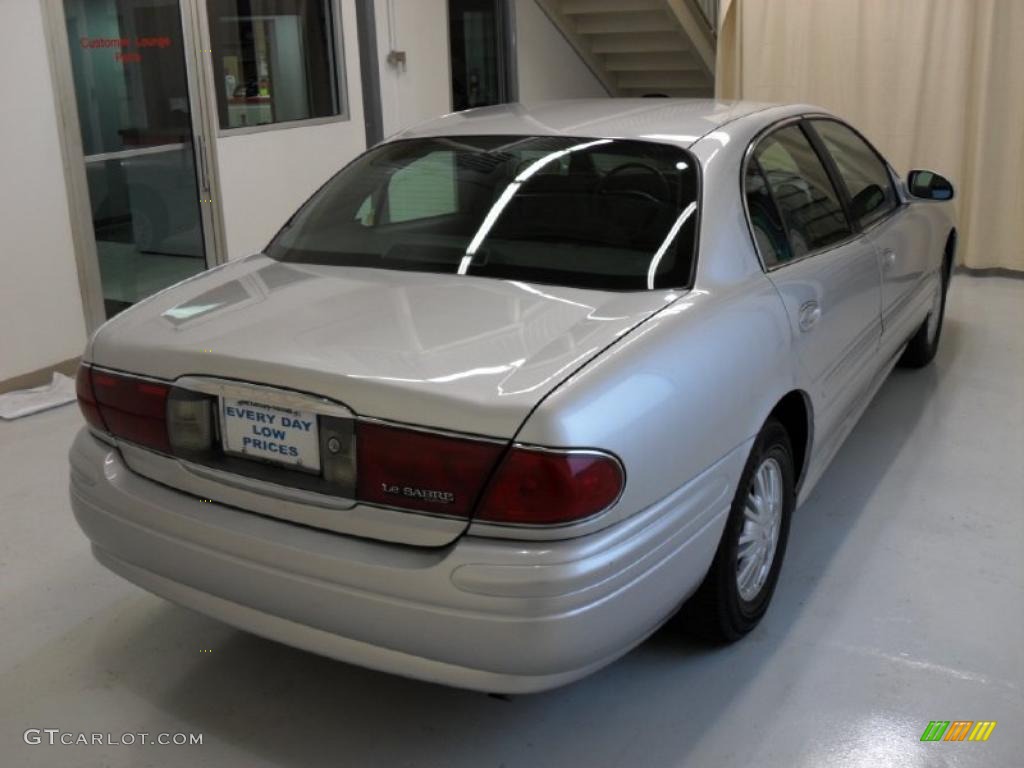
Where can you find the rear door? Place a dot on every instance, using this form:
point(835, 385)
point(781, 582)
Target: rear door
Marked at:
point(826, 274)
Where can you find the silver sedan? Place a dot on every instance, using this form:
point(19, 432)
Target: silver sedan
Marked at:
point(515, 386)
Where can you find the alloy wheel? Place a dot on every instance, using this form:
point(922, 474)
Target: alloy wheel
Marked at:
point(759, 535)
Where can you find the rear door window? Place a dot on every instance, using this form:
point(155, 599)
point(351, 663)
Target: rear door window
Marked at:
point(806, 198)
point(765, 221)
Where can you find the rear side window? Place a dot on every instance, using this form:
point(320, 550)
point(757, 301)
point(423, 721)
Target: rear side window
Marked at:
point(613, 214)
point(808, 202)
point(769, 231)
point(867, 180)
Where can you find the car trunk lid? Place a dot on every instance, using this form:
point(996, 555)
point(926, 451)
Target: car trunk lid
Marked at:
point(443, 353)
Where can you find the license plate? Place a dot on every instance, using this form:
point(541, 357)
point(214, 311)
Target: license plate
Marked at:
point(270, 433)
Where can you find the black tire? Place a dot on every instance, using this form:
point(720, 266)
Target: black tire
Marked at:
point(923, 344)
point(717, 611)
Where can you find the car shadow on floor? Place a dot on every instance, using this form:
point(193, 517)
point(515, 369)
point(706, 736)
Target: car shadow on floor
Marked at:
point(288, 707)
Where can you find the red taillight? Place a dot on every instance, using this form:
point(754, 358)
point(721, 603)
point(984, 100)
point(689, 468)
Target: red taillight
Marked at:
point(437, 473)
point(87, 398)
point(396, 467)
point(546, 487)
point(419, 470)
point(133, 409)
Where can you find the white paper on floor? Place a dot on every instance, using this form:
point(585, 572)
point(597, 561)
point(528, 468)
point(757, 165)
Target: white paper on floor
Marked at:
point(24, 402)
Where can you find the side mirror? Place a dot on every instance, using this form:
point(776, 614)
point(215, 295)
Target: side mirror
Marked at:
point(929, 185)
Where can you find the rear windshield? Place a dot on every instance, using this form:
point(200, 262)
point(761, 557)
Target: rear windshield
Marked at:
point(592, 213)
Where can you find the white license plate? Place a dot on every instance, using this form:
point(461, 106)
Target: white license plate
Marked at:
point(267, 432)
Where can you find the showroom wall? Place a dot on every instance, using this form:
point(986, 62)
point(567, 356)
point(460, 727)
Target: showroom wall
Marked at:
point(41, 320)
point(265, 176)
point(422, 88)
point(937, 85)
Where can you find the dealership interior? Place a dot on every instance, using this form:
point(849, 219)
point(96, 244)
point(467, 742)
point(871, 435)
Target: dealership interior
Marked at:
point(150, 142)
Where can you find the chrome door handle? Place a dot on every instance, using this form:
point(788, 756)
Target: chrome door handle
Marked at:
point(810, 313)
point(889, 257)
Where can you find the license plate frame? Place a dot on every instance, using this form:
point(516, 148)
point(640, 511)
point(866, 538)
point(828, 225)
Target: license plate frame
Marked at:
point(272, 434)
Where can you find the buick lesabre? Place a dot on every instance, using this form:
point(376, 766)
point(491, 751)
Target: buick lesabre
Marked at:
point(515, 385)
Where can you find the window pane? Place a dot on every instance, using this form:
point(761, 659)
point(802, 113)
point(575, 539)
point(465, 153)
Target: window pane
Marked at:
point(769, 232)
point(864, 173)
point(273, 60)
point(610, 214)
point(809, 203)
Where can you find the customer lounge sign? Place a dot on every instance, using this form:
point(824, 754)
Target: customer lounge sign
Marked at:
point(127, 49)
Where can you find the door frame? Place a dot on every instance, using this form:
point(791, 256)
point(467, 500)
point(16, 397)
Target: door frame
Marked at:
point(369, 71)
point(83, 235)
point(508, 57)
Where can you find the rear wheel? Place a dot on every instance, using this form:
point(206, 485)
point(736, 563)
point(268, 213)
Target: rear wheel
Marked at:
point(737, 589)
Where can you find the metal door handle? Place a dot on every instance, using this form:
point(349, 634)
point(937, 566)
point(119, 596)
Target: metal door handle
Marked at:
point(889, 255)
point(204, 169)
point(810, 313)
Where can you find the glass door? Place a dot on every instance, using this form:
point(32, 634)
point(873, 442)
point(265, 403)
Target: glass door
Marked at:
point(478, 32)
point(150, 208)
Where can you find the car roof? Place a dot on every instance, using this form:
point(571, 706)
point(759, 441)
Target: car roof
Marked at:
point(678, 121)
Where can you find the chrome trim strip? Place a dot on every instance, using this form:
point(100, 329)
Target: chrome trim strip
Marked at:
point(126, 374)
point(283, 397)
point(265, 487)
point(431, 430)
point(103, 437)
point(125, 154)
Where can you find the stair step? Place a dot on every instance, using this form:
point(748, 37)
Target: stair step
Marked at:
point(576, 7)
point(613, 23)
point(642, 62)
point(656, 80)
point(639, 42)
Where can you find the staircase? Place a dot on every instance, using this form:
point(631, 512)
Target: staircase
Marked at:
point(642, 47)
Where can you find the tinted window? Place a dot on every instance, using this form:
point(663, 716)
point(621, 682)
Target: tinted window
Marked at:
point(769, 231)
point(809, 204)
point(863, 172)
point(273, 60)
point(603, 213)
point(477, 34)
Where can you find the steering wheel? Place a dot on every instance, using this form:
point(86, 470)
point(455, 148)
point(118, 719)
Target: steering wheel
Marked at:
point(662, 183)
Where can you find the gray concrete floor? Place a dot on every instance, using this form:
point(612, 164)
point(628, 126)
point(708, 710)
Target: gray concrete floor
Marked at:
point(900, 603)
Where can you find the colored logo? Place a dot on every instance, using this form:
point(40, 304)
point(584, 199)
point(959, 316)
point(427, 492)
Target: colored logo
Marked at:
point(958, 730)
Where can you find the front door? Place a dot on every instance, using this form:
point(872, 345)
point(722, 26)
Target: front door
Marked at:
point(899, 234)
point(150, 208)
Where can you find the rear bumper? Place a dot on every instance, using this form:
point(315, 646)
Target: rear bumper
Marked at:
point(492, 615)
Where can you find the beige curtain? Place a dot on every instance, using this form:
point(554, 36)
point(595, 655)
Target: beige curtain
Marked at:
point(935, 84)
